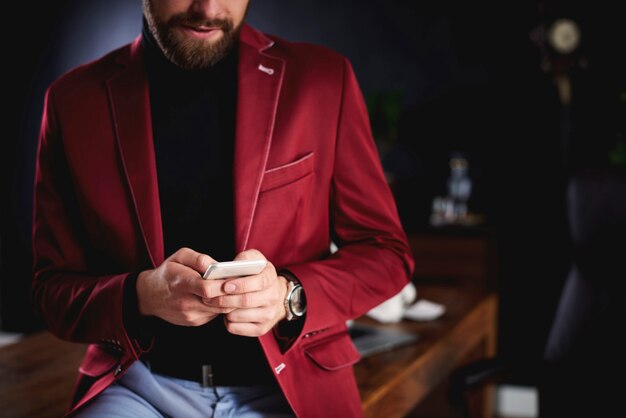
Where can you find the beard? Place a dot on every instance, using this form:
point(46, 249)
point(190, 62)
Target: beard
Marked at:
point(189, 53)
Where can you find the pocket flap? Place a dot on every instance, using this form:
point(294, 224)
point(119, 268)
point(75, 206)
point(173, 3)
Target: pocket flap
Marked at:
point(98, 361)
point(333, 353)
point(287, 173)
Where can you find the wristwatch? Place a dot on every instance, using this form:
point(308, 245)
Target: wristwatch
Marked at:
point(295, 301)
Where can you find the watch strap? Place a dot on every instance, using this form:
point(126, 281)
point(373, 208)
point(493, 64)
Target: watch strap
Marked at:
point(291, 285)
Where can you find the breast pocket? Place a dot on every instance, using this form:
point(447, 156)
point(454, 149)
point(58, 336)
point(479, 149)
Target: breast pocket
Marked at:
point(288, 173)
point(285, 193)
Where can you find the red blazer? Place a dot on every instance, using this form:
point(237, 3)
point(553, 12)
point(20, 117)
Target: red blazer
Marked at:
point(306, 172)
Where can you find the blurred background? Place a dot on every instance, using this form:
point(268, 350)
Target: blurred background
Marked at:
point(526, 94)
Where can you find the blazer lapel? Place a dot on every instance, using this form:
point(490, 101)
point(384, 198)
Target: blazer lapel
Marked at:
point(260, 81)
point(130, 109)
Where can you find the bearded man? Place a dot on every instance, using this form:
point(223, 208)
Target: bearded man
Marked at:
point(207, 140)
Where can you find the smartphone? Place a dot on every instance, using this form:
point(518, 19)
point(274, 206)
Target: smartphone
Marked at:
point(237, 268)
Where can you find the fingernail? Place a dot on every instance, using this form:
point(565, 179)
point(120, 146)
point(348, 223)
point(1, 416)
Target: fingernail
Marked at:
point(230, 287)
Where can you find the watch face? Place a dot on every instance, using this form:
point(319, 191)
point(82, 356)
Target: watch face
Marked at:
point(564, 36)
point(297, 301)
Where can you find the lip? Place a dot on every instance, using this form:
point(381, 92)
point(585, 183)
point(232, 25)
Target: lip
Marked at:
point(203, 32)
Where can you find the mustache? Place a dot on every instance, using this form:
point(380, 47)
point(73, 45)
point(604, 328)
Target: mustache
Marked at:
point(194, 20)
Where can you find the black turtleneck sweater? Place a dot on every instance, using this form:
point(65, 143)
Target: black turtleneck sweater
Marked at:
point(193, 124)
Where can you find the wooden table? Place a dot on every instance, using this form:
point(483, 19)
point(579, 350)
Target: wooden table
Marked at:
point(393, 383)
point(37, 374)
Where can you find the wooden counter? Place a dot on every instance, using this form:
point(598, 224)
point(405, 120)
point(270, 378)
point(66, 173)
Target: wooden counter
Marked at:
point(393, 383)
point(37, 375)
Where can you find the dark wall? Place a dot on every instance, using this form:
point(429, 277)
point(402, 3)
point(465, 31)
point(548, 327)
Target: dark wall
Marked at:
point(22, 56)
point(62, 35)
point(439, 77)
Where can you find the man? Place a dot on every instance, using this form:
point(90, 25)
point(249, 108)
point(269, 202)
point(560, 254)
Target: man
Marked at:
point(207, 140)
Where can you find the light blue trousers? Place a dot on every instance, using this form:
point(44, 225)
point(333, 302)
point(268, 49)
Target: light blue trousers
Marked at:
point(142, 394)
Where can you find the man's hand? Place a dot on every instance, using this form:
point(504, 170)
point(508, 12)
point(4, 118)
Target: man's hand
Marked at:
point(255, 302)
point(175, 290)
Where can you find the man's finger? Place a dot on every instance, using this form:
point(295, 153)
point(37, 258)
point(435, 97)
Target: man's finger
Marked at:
point(250, 254)
point(205, 289)
point(192, 259)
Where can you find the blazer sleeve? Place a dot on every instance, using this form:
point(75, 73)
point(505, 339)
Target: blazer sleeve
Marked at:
point(76, 302)
point(374, 260)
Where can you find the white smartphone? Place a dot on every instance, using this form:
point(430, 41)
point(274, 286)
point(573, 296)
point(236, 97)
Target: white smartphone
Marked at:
point(236, 268)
